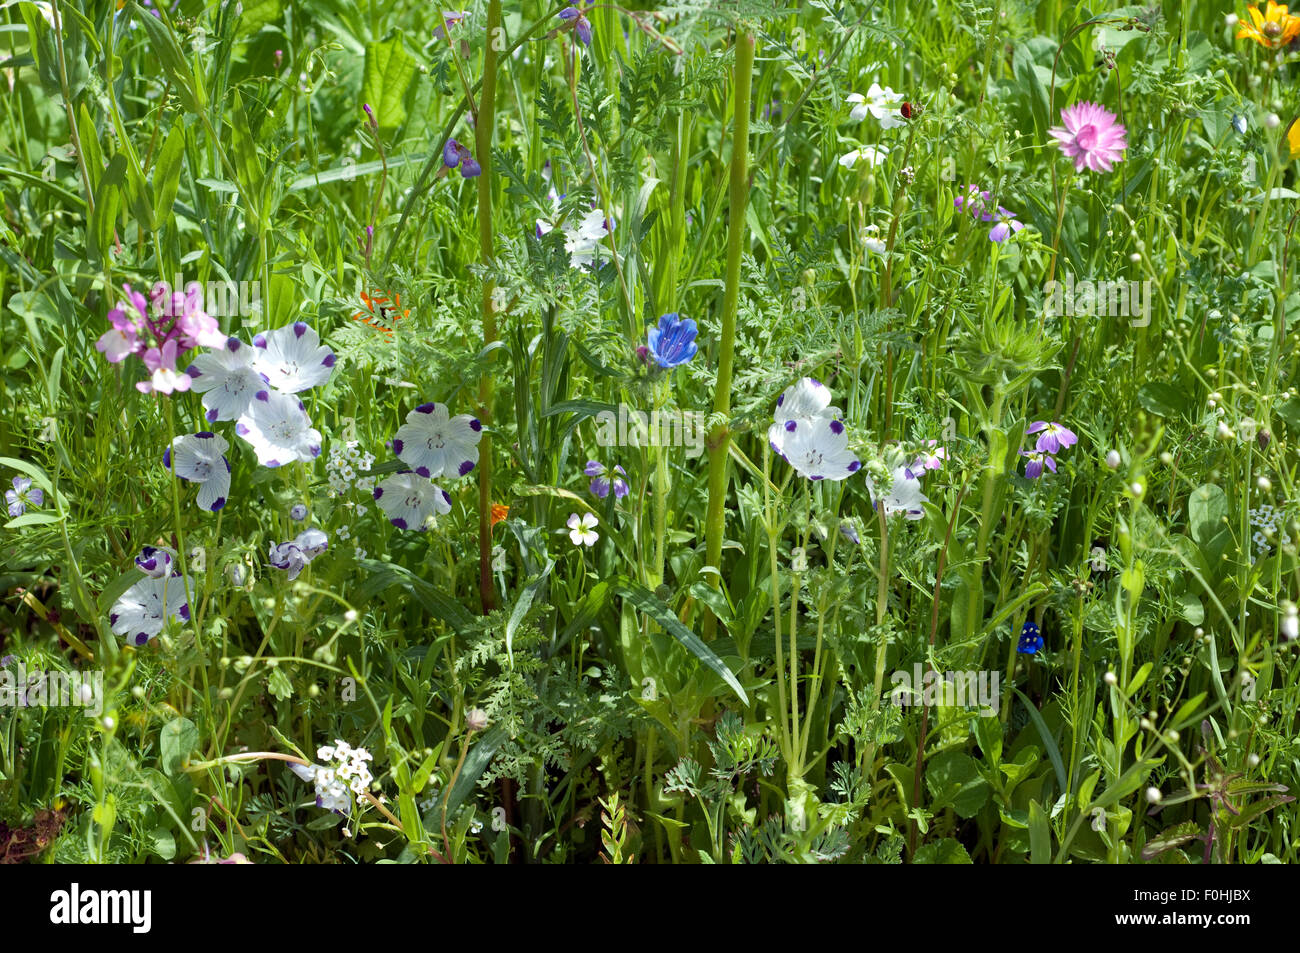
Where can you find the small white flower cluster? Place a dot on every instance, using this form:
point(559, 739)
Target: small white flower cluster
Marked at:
point(344, 463)
point(344, 769)
point(1267, 519)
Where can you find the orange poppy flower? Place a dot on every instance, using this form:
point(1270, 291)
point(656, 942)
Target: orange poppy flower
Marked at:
point(499, 512)
point(1273, 29)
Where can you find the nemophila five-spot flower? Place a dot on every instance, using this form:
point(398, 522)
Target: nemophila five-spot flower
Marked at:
point(819, 449)
point(803, 402)
point(292, 359)
point(227, 379)
point(22, 496)
point(454, 154)
point(582, 531)
point(672, 343)
point(295, 554)
point(904, 494)
point(200, 458)
point(1031, 640)
point(1054, 437)
point(156, 561)
point(882, 103)
point(602, 480)
point(1091, 136)
point(276, 426)
point(434, 444)
point(1035, 461)
point(584, 240)
point(409, 500)
point(143, 611)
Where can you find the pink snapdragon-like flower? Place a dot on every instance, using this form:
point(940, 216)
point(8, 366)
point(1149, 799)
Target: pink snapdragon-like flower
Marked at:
point(1091, 137)
point(163, 376)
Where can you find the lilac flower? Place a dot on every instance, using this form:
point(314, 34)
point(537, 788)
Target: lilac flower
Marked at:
point(601, 479)
point(200, 458)
point(454, 154)
point(819, 450)
point(130, 321)
point(1055, 437)
point(904, 495)
point(227, 380)
point(673, 342)
point(435, 444)
point(450, 18)
point(163, 376)
point(932, 457)
point(292, 359)
point(408, 500)
point(295, 554)
point(1006, 226)
point(22, 496)
point(277, 428)
point(1031, 641)
point(1036, 461)
point(976, 202)
point(579, 23)
point(143, 610)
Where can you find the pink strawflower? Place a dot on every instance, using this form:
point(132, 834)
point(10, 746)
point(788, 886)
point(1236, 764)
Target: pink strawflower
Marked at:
point(1091, 137)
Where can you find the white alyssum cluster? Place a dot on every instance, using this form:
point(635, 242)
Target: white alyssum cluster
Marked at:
point(1267, 520)
point(342, 773)
point(344, 465)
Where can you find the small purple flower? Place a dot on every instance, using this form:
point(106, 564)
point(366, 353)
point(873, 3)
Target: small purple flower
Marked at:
point(602, 478)
point(1006, 226)
point(1037, 460)
point(580, 24)
point(976, 202)
point(22, 496)
point(454, 154)
point(1055, 437)
point(673, 342)
point(849, 532)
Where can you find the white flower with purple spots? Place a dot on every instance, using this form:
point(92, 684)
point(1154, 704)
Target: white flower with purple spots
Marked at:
point(156, 561)
point(142, 611)
point(277, 428)
point(435, 444)
point(802, 403)
point(819, 449)
point(409, 500)
point(904, 494)
point(226, 379)
point(292, 359)
point(200, 458)
point(295, 554)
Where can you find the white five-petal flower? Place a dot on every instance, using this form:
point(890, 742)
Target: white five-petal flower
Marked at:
point(141, 612)
point(408, 500)
point(904, 494)
point(874, 155)
point(435, 444)
point(227, 380)
point(291, 358)
point(801, 403)
point(882, 103)
point(277, 428)
point(819, 449)
point(200, 458)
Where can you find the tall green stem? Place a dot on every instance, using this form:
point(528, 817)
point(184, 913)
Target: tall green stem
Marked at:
point(720, 434)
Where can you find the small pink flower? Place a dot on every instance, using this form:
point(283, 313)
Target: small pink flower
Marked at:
point(164, 378)
point(1091, 137)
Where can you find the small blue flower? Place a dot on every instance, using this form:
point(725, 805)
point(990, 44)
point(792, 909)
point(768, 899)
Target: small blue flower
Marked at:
point(298, 512)
point(673, 342)
point(1030, 639)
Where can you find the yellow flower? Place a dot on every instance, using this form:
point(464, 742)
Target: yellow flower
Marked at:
point(1274, 29)
point(1293, 138)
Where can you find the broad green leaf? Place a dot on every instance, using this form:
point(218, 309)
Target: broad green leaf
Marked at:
point(388, 73)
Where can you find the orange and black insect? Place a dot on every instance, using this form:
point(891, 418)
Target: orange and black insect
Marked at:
point(381, 313)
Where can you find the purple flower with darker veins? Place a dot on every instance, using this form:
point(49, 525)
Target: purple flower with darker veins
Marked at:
point(22, 496)
point(1006, 226)
point(1036, 461)
point(601, 479)
point(1055, 437)
point(976, 202)
point(579, 23)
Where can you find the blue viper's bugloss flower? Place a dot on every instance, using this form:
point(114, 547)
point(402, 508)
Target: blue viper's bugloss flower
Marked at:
point(673, 342)
point(1031, 641)
point(454, 154)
